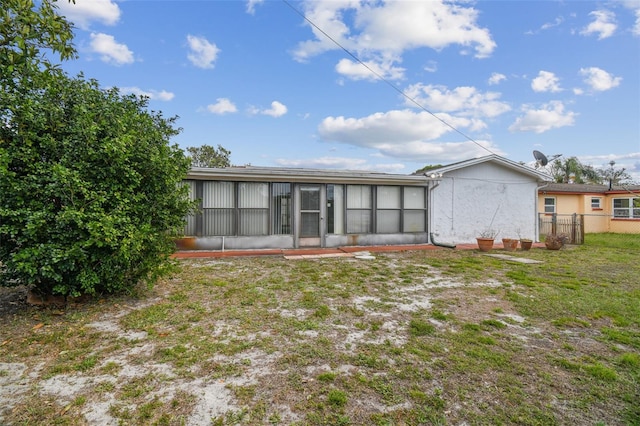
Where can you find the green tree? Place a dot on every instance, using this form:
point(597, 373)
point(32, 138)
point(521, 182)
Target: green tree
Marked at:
point(572, 170)
point(26, 34)
point(613, 176)
point(90, 186)
point(208, 156)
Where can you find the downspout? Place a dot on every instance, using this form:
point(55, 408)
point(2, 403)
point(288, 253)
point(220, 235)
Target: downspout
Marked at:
point(435, 243)
point(433, 183)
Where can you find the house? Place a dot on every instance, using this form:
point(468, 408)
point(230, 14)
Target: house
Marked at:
point(604, 208)
point(261, 207)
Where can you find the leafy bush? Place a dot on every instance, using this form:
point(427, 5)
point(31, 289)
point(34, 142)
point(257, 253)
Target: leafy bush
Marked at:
point(90, 185)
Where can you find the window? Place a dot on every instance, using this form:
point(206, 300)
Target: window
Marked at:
point(626, 208)
point(217, 208)
point(415, 210)
point(253, 207)
point(358, 209)
point(549, 205)
point(335, 209)
point(595, 203)
point(281, 205)
point(388, 209)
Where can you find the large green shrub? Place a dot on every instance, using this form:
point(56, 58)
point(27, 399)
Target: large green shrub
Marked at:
point(90, 189)
point(90, 192)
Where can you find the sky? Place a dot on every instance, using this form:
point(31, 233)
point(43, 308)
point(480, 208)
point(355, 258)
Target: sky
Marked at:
point(388, 86)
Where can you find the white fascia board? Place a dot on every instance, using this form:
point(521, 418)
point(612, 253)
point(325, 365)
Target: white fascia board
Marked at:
point(539, 176)
point(265, 174)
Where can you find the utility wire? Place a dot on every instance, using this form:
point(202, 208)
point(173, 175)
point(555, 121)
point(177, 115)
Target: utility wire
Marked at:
point(383, 79)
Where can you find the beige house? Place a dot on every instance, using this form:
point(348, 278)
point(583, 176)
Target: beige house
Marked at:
point(605, 209)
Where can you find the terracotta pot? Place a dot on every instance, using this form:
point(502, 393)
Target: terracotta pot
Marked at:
point(526, 244)
point(509, 244)
point(485, 244)
point(553, 244)
point(186, 243)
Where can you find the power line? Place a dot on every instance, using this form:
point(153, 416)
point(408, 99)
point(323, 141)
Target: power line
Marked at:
point(383, 79)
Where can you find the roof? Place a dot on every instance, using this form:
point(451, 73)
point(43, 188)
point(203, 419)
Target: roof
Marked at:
point(587, 188)
point(281, 174)
point(518, 167)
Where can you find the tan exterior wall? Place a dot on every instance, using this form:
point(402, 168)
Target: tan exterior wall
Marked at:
point(595, 220)
point(625, 226)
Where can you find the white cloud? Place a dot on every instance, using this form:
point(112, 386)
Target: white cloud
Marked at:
point(83, 12)
point(222, 106)
point(111, 51)
point(251, 6)
point(603, 25)
point(202, 53)
point(466, 101)
point(432, 66)
point(496, 78)
point(277, 109)
point(598, 79)
point(435, 152)
point(546, 82)
point(551, 116)
point(559, 20)
point(325, 163)
point(341, 163)
point(636, 28)
point(404, 134)
point(630, 162)
point(381, 32)
point(358, 71)
point(161, 95)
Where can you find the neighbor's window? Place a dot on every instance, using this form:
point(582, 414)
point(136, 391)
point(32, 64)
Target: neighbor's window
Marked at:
point(253, 206)
point(217, 208)
point(358, 209)
point(595, 203)
point(415, 209)
point(626, 208)
point(388, 209)
point(549, 205)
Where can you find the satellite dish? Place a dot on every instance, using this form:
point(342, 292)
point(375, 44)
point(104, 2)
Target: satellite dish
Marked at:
point(541, 159)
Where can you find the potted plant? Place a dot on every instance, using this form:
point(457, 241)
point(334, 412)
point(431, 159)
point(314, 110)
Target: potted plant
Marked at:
point(555, 241)
point(510, 244)
point(485, 239)
point(525, 243)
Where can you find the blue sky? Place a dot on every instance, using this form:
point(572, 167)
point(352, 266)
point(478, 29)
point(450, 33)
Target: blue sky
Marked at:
point(442, 81)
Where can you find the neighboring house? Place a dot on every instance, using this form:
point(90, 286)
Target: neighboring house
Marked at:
point(260, 207)
point(605, 209)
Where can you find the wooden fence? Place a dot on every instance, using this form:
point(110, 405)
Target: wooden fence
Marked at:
point(571, 225)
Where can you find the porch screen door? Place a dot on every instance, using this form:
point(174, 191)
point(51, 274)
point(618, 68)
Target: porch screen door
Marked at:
point(310, 215)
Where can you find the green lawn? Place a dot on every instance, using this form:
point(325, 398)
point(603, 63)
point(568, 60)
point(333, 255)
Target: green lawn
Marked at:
point(411, 338)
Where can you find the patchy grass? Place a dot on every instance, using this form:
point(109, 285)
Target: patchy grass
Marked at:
point(433, 337)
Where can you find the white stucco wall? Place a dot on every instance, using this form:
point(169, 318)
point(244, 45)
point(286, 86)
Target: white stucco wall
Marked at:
point(466, 200)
